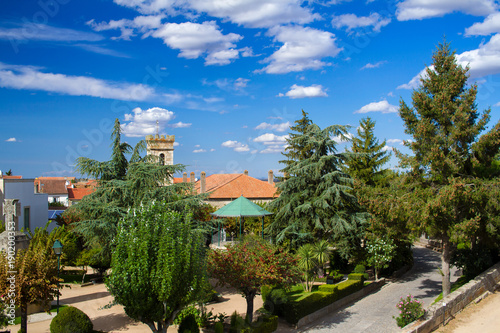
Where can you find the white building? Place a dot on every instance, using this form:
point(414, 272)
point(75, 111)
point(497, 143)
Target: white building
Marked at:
point(33, 206)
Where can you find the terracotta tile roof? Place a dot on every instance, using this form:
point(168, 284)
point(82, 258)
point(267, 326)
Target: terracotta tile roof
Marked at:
point(78, 193)
point(232, 186)
point(11, 177)
point(178, 180)
point(53, 185)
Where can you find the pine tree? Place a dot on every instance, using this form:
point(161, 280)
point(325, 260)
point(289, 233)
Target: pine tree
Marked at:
point(316, 201)
point(366, 166)
point(447, 151)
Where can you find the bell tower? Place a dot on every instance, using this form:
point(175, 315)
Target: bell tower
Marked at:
point(161, 146)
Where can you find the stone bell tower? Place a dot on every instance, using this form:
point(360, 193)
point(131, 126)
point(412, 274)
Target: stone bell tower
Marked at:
point(161, 146)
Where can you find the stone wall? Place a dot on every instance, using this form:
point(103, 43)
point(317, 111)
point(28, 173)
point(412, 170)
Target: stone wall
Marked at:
point(456, 301)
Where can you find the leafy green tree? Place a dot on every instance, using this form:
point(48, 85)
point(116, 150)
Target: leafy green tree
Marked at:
point(123, 185)
point(449, 144)
point(308, 265)
point(36, 273)
point(379, 253)
point(158, 264)
point(366, 165)
point(316, 201)
point(250, 264)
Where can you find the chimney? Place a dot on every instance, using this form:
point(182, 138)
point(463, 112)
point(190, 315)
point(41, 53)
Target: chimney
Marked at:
point(192, 177)
point(270, 177)
point(203, 184)
point(245, 172)
point(185, 177)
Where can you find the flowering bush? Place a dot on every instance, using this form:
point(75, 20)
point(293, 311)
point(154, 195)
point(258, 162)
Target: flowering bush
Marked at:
point(409, 310)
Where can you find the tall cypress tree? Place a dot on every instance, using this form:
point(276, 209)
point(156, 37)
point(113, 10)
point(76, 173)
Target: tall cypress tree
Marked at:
point(366, 165)
point(447, 150)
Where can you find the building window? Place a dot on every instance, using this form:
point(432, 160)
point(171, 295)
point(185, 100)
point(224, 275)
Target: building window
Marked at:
point(26, 218)
point(162, 159)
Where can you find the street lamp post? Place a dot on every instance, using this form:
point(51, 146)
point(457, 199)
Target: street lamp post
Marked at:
point(57, 251)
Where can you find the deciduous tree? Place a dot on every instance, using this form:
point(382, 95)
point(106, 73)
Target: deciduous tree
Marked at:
point(250, 264)
point(158, 264)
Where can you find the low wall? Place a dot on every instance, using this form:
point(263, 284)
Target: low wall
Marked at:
point(456, 301)
point(340, 303)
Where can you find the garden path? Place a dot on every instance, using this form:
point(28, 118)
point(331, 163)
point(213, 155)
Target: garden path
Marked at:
point(373, 314)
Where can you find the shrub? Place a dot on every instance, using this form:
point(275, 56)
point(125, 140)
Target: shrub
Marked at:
point(219, 327)
point(409, 310)
point(237, 323)
point(275, 301)
point(71, 320)
point(359, 269)
point(328, 288)
point(190, 310)
point(356, 276)
point(265, 324)
point(348, 287)
point(189, 324)
point(264, 291)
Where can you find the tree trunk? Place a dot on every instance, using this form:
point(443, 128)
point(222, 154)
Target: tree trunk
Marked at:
point(249, 297)
point(445, 264)
point(376, 274)
point(24, 317)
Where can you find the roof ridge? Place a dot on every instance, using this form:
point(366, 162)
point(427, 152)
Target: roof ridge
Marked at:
point(236, 176)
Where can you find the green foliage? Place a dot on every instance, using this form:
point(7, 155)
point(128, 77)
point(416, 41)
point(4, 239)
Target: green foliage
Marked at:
point(359, 269)
point(187, 311)
point(357, 276)
point(307, 264)
point(124, 185)
point(298, 148)
point(316, 199)
point(461, 281)
point(328, 288)
point(237, 323)
point(219, 327)
point(410, 310)
point(188, 324)
point(451, 147)
point(264, 324)
point(275, 301)
point(250, 264)
point(379, 253)
point(366, 165)
point(71, 320)
point(158, 264)
point(474, 261)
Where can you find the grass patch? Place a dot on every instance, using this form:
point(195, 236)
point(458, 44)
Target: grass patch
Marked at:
point(457, 284)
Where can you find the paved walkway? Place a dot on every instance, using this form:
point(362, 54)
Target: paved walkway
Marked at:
point(373, 314)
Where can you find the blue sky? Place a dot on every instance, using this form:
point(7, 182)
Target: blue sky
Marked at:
point(227, 78)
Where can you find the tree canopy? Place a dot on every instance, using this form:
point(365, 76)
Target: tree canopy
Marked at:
point(158, 264)
point(316, 200)
point(450, 145)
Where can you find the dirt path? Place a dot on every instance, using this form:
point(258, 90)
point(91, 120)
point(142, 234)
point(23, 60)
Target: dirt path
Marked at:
point(91, 299)
point(481, 317)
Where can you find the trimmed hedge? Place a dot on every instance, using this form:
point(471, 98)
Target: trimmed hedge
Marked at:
point(266, 324)
point(356, 276)
point(71, 320)
point(326, 295)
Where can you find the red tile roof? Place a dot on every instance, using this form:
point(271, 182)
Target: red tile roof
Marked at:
point(53, 185)
point(11, 177)
point(232, 186)
point(78, 193)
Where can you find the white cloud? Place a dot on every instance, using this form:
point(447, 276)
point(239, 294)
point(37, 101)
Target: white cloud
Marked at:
point(387, 148)
point(375, 65)
point(490, 25)
point(273, 149)
point(236, 146)
point(180, 124)
point(276, 127)
point(195, 40)
point(225, 84)
point(141, 24)
point(302, 49)
point(421, 9)
point(382, 106)
point(256, 13)
point(271, 139)
point(31, 78)
point(148, 6)
point(101, 50)
point(482, 61)
point(11, 140)
point(351, 21)
point(196, 151)
point(143, 122)
point(395, 141)
point(32, 31)
point(297, 91)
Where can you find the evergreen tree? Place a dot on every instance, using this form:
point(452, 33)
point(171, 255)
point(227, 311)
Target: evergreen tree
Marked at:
point(123, 185)
point(316, 201)
point(297, 148)
point(447, 152)
point(366, 165)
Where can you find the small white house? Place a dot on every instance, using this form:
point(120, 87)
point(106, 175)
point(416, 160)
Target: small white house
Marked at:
point(34, 207)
